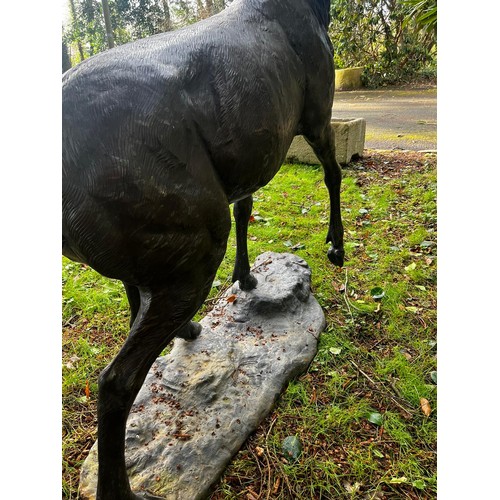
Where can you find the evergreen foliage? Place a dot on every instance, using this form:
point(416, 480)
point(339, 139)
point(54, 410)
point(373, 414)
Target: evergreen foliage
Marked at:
point(394, 40)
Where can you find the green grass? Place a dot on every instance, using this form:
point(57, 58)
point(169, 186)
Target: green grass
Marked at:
point(374, 356)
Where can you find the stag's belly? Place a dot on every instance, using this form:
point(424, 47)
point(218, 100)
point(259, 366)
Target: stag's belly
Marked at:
point(249, 121)
point(248, 162)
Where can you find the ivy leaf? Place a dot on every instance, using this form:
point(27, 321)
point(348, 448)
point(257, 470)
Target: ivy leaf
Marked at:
point(377, 293)
point(292, 448)
point(375, 418)
point(434, 377)
point(335, 350)
point(419, 484)
point(411, 267)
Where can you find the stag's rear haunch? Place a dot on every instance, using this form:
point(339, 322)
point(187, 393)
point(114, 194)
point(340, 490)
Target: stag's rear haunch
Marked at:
point(159, 137)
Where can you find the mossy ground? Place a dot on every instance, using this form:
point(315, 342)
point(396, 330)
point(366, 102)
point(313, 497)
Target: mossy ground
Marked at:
point(375, 356)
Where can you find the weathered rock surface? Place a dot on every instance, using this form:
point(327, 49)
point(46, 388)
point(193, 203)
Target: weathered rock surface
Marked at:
point(200, 403)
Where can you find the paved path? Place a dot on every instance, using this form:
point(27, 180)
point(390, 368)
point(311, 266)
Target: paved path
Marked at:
point(396, 118)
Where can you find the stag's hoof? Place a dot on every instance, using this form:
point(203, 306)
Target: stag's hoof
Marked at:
point(336, 256)
point(249, 282)
point(190, 332)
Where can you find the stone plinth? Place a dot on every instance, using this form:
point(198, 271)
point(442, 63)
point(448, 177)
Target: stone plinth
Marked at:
point(348, 78)
point(349, 143)
point(200, 403)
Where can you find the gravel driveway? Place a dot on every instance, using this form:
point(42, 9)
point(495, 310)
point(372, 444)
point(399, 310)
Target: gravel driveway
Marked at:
point(396, 118)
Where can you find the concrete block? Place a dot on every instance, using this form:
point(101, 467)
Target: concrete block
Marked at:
point(348, 78)
point(349, 142)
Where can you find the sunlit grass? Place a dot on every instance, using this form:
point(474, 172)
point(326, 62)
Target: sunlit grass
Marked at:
point(374, 356)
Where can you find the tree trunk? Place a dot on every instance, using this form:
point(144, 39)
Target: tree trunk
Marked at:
point(210, 7)
point(78, 43)
point(66, 61)
point(107, 22)
point(167, 24)
point(201, 9)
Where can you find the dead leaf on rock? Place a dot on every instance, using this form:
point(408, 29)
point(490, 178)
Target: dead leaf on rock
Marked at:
point(232, 298)
point(426, 407)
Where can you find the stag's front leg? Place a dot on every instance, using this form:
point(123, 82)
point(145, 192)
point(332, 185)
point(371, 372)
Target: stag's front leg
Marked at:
point(323, 144)
point(242, 211)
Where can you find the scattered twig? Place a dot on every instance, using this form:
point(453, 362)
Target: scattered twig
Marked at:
point(377, 386)
point(276, 459)
point(346, 299)
point(349, 304)
point(267, 460)
point(260, 470)
point(222, 290)
point(252, 495)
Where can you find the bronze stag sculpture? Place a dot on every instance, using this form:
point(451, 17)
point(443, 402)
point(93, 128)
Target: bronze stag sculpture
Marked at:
point(159, 137)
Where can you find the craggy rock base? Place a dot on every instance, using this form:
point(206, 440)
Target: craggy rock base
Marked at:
point(200, 403)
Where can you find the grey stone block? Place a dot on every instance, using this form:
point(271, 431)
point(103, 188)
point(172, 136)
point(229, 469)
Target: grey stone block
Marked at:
point(200, 403)
point(349, 142)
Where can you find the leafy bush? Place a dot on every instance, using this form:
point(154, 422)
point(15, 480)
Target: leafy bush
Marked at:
point(387, 38)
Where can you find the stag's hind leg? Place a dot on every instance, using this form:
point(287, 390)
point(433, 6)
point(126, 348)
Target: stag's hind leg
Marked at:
point(134, 300)
point(190, 331)
point(323, 143)
point(164, 312)
point(163, 309)
point(119, 384)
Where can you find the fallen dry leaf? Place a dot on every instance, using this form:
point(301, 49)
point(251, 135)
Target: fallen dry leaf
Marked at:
point(231, 298)
point(259, 451)
point(87, 389)
point(426, 407)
